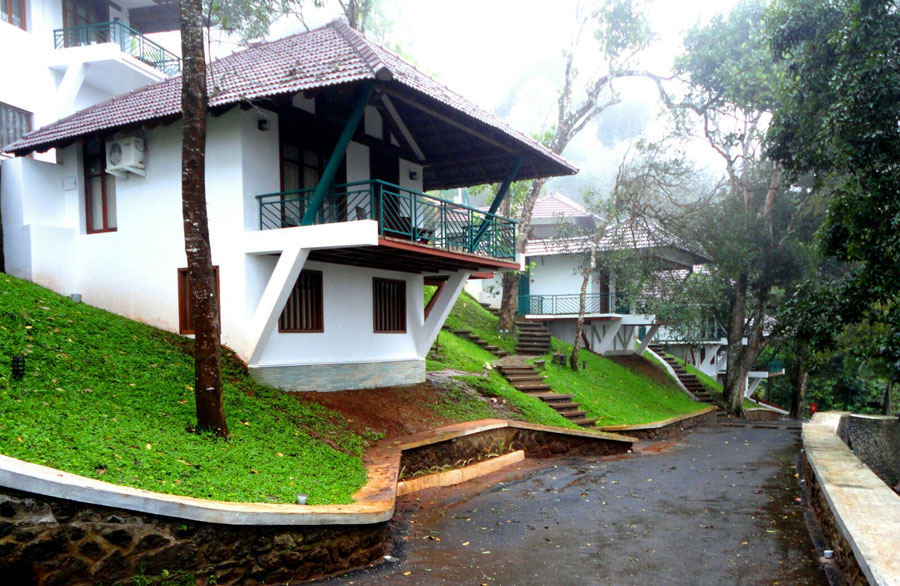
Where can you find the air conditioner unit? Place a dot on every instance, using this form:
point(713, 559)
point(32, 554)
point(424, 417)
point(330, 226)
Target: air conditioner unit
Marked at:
point(125, 155)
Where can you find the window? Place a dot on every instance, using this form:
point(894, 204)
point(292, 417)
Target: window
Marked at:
point(99, 190)
point(13, 12)
point(13, 122)
point(389, 306)
point(185, 307)
point(303, 310)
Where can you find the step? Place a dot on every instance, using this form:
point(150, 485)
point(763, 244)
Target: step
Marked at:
point(550, 397)
point(564, 405)
point(573, 414)
point(531, 387)
point(584, 421)
point(524, 378)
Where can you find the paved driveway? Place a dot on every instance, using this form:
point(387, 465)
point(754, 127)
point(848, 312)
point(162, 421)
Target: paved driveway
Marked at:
point(717, 507)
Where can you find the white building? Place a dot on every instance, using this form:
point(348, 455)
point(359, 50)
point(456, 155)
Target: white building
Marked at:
point(321, 282)
point(550, 291)
point(60, 56)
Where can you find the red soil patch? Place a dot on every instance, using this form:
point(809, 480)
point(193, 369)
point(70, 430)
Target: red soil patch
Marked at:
point(394, 411)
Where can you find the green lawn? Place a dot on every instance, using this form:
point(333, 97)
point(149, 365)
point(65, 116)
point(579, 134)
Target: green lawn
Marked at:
point(111, 399)
point(615, 394)
point(468, 314)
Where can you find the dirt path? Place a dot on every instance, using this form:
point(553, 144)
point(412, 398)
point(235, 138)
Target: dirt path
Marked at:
point(718, 507)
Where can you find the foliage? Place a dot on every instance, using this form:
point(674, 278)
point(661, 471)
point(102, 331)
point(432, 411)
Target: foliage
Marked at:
point(616, 394)
point(455, 353)
point(468, 314)
point(111, 399)
point(837, 122)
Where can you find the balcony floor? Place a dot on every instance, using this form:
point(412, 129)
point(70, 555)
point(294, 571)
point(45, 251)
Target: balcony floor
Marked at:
point(401, 255)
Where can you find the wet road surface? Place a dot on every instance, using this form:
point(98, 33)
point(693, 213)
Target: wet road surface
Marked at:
point(716, 506)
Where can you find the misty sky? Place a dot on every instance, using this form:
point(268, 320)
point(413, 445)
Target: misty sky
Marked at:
point(507, 56)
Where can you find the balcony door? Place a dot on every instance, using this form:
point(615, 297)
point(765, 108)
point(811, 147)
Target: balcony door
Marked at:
point(386, 206)
point(303, 158)
point(80, 13)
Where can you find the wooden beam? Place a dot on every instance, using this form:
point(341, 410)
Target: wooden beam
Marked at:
point(404, 131)
point(447, 119)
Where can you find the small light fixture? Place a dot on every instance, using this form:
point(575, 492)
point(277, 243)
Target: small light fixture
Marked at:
point(414, 175)
point(262, 124)
point(18, 367)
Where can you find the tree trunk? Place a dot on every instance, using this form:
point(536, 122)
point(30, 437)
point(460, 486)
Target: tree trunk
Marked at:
point(579, 324)
point(205, 304)
point(800, 379)
point(887, 408)
point(509, 299)
point(733, 391)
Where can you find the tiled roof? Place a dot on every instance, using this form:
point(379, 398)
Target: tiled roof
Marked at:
point(332, 55)
point(627, 235)
point(556, 204)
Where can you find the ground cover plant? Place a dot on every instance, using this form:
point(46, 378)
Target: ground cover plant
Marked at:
point(468, 314)
point(614, 393)
point(110, 398)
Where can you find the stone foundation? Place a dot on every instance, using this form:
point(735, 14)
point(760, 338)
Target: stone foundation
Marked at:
point(341, 377)
point(46, 541)
point(876, 441)
point(535, 443)
point(844, 558)
point(763, 415)
point(656, 431)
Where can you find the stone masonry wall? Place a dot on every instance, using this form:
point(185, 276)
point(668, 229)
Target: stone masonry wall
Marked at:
point(845, 560)
point(53, 542)
point(875, 441)
point(341, 377)
point(537, 444)
point(672, 429)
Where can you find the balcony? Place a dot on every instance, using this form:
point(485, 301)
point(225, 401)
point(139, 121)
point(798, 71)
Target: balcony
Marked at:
point(130, 41)
point(594, 303)
point(402, 214)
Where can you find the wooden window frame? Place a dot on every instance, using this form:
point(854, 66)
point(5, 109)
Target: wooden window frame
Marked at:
point(185, 308)
point(319, 307)
point(104, 194)
point(29, 119)
point(376, 306)
point(8, 4)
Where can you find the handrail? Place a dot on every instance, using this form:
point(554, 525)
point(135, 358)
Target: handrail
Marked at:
point(401, 213)
point(568, 304)
point(129, 40)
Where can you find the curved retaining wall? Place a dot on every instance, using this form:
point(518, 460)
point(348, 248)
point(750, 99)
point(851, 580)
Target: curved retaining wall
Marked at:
point(859, 513)
point(667, 427)
point(875, 440)
point(60, 528)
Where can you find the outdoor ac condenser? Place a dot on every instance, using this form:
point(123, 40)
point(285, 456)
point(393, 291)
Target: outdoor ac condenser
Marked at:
point(125, 155)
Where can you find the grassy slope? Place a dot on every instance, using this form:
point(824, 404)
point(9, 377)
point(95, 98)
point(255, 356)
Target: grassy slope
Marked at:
point(110, 398)
point(615, 394)
point(453, 352)
point(468, 314)
point(711, 385)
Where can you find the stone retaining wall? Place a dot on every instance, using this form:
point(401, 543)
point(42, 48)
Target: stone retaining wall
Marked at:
point(675, 427)
point(762, 414)
point(876, 441)
point(341, 377)
point(535, 443)
point(844, 558)
point(47, 542)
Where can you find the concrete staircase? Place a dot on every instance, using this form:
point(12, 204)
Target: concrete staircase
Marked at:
point(690, 381)
point(526, 379)
point(493, 349)
point(534, 338)
point(493, 310)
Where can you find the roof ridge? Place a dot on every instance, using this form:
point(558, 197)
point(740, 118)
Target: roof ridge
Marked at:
point(362, 47)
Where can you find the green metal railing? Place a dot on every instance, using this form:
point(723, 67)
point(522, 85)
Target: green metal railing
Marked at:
point(569, 304)
point(129, 40)
point(400, 212)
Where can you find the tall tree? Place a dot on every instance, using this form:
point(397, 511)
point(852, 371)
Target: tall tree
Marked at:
point(837, 121)
point(204, 300)
point(620, 31)
point(756, 222)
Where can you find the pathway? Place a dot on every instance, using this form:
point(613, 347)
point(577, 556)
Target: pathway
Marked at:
point(717, 507)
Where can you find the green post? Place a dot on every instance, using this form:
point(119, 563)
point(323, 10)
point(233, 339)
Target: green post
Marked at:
point(339, 149)
point(495, 205)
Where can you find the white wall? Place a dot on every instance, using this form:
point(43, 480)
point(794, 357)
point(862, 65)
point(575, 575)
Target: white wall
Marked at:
point(347, 314)
point(556, 275)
